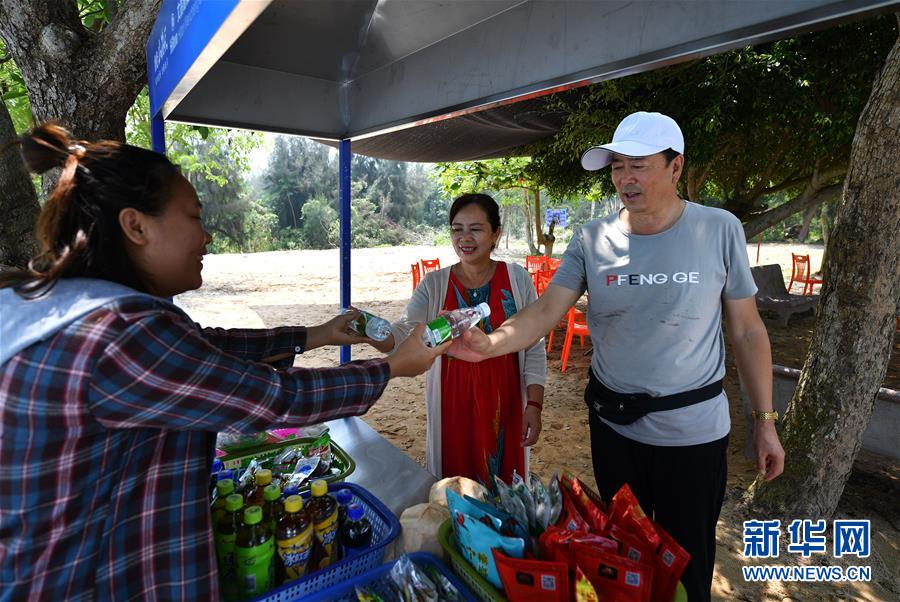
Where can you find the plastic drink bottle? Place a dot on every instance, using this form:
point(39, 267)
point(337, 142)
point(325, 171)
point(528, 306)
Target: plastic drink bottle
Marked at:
point(226, 529)
point(356, 533)
point(272, 506)
point(224, 488)
point(294, 538)
point(262, 479)
point(453, 324)
point(377, 329)
point(323, 511)
point(225, 474)
point(254, 553)
point(343, 498)
point(214, 475)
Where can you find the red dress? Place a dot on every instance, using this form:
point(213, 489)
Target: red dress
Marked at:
point(481, 403)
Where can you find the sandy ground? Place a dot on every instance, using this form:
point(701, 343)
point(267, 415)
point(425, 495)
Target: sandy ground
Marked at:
point(301, 287)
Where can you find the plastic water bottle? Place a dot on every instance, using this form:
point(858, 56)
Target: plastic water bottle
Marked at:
point(377, 329)
point(451, 325)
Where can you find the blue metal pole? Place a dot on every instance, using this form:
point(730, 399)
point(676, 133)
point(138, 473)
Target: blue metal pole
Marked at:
point(158, 134)
point(344, 156)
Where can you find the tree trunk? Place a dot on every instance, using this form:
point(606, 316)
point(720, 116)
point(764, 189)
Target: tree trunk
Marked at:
point(18, 203)
point(82, 79)
point(855, 320)
point(538, 222)
point(526, 210)
point(807, 221)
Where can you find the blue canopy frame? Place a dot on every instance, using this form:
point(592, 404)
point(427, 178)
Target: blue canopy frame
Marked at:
point(358, 68)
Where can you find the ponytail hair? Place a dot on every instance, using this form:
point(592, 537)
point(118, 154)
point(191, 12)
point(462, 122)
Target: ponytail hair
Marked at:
point(78, 228)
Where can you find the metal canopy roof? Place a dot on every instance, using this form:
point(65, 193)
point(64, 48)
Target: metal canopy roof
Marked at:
point(339, 69)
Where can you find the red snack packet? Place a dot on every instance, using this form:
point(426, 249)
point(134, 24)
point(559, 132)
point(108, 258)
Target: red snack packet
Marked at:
point(555, 543)
point(589, 504)
point(584, 589)
point(626, 512)
point(632, 546)
point(570, 518)
point(671, 560)
point(532, 580)
point(616, 579)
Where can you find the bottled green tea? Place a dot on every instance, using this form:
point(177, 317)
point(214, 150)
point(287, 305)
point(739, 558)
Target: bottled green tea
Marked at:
point(226, 529)
point(254, 553)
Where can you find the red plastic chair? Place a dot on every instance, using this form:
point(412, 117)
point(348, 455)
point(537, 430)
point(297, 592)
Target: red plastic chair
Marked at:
point(416, 274)
point(576, 324)
point(801, 273)
point(430, 265)
point(541, 280)
point(534, 263)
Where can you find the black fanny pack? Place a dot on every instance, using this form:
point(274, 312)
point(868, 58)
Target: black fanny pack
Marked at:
point(625, 408)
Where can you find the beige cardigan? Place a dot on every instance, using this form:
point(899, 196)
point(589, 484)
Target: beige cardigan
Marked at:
point(424, 306)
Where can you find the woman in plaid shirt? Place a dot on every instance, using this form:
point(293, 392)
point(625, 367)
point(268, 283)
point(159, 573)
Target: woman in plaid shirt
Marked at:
point(111, 397)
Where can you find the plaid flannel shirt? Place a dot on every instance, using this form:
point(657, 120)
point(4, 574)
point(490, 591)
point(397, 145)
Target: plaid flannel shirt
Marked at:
point(107, 434)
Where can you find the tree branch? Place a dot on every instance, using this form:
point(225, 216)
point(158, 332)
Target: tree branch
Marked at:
point(809, 197)
point(121, 48)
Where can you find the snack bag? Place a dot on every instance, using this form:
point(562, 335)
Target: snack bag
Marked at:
point(494, 517)
point(321, 447)
point(511, 502)
point(632, 546)
point(616, 579)
point(532, 580)
point(626, 512)
point(555, 499)
point(555, 544)
point(584, 589)
point(671, 560)
point(588, 503)
point(571, 518)
point(542, 504)
point(475, 541)
point(518, 486)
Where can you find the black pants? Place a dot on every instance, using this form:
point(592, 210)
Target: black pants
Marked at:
point(682, 488)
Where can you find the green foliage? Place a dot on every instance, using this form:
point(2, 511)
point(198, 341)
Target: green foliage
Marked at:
point(320, 225)
point(755, 118)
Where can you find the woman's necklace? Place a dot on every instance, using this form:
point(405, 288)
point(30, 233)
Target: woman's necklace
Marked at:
point(474, 281)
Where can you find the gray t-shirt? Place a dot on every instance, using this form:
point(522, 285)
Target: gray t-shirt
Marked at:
point(655, 313)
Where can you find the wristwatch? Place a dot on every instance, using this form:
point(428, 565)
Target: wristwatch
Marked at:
point(773, 415)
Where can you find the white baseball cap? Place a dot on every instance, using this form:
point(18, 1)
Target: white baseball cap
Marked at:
point(640, 134)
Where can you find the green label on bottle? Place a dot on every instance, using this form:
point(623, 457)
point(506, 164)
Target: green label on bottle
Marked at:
point(438, 331)
point(227, 566)
point(255, 568)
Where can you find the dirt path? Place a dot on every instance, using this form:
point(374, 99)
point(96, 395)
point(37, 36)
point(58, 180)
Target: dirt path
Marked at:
point(301, 287)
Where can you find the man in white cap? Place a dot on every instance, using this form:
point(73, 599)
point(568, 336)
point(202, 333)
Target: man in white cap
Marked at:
point(659, 275)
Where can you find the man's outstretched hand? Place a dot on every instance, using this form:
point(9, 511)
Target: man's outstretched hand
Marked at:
point(473, 346)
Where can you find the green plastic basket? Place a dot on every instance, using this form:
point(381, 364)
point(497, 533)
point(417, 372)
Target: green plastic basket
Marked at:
point(480, 586)
point(342, 465)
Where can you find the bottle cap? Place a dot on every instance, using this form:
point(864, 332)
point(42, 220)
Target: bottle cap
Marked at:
point(271, 493)
point(355, 512)
point(318, 488)
point(252, 515)
point(293, 504)
point(344, 496)
point(216, 466)
point(263, 477)
point(233, 502)
point(290, 490)
point(224, 488)
point(484, 308)
point(225, 474)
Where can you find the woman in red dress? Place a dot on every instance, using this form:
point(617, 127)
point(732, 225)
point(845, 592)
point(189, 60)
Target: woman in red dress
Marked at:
point(481, 416)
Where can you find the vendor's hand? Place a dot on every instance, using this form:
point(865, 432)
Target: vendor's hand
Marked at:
point(472, 346)
point(769, 453)
point(412, 357)
point(531, 426)
point(335, 331)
